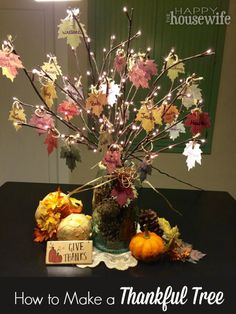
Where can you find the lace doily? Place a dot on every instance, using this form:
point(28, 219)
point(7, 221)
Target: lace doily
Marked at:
point(113, 261)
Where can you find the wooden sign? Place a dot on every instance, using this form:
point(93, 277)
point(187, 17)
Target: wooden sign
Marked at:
point(69, 252)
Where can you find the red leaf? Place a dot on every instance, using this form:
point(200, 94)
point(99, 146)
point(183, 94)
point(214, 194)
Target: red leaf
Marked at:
point(112, 160)
point(51, 143)
point(122, 195)
point(197, 121)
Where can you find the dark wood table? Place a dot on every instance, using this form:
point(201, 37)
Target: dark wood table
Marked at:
point(208, 222)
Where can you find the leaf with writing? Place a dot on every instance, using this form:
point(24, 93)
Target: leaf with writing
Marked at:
point(112, 91)
point(175, 130)
point(69, 29)
point(68, 109)
point(17, 116)
point(51, 142)
point(191, 95)
point(194, 154)
point(43, 123)
point(195, 256)
point(95, 102)
point(149, 116)
point(197, 121)
point(52, 68)
point(10, 63)
point(112, 160)
point(175, 70)
point(169, 113)
point(71, 154)
point(49, 93)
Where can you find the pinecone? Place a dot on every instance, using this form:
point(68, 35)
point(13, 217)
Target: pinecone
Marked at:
point(111, 231)
point(106, 216)
point(149, 217)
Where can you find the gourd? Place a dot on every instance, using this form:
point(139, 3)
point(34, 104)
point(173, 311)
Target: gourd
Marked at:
point(147, 246)
point(74, 227)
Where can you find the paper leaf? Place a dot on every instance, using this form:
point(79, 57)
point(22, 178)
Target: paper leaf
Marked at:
point(68, 109)
point(95, 102)
point(173, 72)
point(197, 121)
point(51, 142)
point(175, 130)
point(193, 152)
point(191, 95)
point(71, 154)
point(10, 63)
point(52, 68)
point(17, 115)
point(112, 160)
point(169, 113)
point(149, 116)
point(69, 29)
point(112, 91)
point(43, 123)
point(49, 93)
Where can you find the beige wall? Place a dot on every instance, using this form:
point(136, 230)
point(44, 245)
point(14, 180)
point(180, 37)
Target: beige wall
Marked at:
point(23, 156)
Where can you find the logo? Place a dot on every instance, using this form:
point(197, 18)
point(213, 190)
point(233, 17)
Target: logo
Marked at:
point(197, 16)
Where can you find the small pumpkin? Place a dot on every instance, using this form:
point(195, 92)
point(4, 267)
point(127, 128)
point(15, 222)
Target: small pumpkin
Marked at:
point(147, 246)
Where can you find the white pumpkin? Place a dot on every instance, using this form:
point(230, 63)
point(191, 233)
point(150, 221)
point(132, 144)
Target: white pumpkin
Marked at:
point(74, 227)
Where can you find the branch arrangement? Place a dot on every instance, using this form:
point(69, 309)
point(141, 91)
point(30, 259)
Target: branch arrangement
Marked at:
point(111, 118)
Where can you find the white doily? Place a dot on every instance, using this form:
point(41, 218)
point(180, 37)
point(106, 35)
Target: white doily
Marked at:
point(113, 261)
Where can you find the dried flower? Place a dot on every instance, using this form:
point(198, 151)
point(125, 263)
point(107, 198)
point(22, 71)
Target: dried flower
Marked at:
point(54, 207)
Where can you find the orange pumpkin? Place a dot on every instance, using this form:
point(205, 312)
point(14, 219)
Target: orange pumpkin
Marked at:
point(146, 246)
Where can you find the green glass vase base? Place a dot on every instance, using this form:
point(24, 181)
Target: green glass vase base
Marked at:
point(110, 246)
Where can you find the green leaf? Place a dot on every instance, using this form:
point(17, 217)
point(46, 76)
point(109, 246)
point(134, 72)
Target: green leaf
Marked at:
point(71, 154)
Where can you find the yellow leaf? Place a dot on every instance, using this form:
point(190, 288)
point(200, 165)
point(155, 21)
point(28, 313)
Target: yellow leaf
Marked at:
point(17, 115)
point(52, 68)
point(149, 116)
point(169, 112)
point(49, 93)
point(8, 74)
point(173, 72)
point(69, 29)
point(95, 102)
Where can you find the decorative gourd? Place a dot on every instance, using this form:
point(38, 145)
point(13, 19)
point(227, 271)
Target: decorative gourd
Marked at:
point(74, 227)
point(146, 246)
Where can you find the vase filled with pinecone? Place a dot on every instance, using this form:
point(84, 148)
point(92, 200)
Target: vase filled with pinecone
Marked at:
point(113, 225)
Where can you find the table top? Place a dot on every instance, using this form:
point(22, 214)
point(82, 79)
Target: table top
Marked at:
point(208, 222)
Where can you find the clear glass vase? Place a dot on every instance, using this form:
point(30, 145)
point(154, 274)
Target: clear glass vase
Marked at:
point(113, 225)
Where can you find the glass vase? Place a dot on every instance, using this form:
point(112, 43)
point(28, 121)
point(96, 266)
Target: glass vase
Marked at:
point(113, 225)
